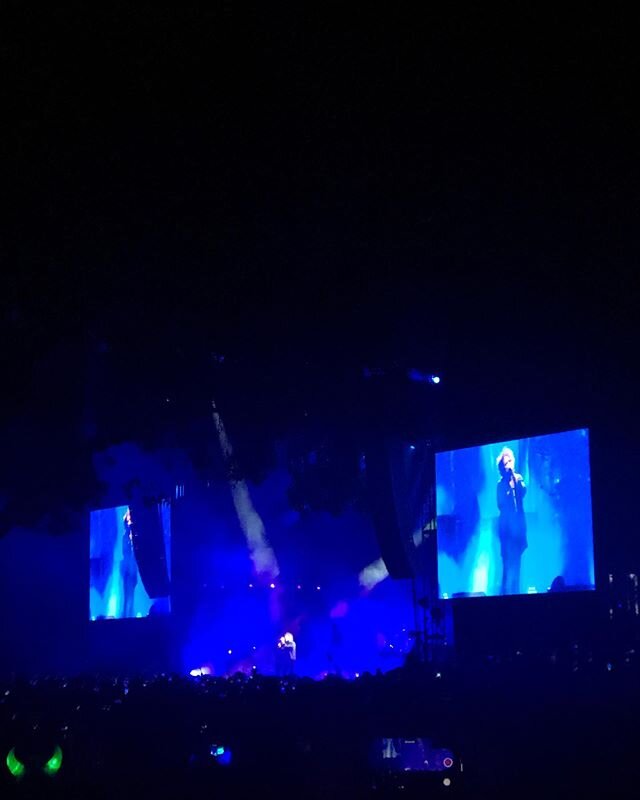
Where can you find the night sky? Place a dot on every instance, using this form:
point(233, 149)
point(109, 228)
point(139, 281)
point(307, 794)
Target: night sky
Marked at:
point(306, 196)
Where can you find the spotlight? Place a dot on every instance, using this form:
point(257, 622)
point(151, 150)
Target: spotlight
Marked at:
point(229, 652)
point(272, 586)
point(412, 447)
point(418, 376)
point(373, 574)
point(205, 670)
point(317, 588)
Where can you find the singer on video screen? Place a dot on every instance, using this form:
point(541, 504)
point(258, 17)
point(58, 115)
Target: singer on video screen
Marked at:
point(512, 527)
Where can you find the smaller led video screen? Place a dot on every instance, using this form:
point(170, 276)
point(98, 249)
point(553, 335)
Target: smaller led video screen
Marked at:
point(130, 561)
point(515, 517)
point(418, 754)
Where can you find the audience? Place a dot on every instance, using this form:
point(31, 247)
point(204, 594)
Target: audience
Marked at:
point(552, 722)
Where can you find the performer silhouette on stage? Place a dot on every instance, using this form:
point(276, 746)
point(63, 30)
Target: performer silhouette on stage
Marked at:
point(512, 526)
point(287, 654)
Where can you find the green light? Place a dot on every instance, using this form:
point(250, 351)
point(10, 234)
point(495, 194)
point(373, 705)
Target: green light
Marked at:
point(54, 763)
point(16, 767)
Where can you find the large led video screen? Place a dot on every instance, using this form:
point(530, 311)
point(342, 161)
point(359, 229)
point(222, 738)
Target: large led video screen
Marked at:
point(130, 561)
point(514, 517)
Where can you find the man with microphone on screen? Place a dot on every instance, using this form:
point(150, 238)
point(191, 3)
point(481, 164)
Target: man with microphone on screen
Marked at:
point(512, 526)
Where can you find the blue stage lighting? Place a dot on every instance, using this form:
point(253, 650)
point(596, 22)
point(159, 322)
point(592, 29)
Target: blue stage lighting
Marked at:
point(221, 755)
point(418, 376)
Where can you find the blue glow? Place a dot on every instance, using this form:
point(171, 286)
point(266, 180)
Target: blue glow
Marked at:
point(315, 549)
point(554, 540)
point(221, 755)
point(417, 376)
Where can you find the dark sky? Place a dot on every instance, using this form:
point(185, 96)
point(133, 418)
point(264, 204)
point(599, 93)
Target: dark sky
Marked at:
point(452, 190)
